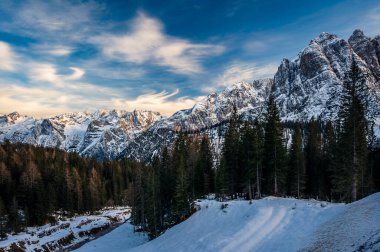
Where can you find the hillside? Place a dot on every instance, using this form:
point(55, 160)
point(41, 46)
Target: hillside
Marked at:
point(269, 224)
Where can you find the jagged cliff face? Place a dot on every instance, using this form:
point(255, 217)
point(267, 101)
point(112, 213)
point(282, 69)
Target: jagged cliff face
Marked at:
point(102, 134)
point(306, 87)
point(368, 50)
point(310, 85)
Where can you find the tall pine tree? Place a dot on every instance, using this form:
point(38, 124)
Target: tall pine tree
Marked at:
point(275, 156)
point(352, 137)
point(230, 156)
point(297, 173)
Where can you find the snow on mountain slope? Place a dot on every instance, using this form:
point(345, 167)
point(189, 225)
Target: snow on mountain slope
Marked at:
point(269, 224)
point(102, 134)
point(207, 116)
point(310, 85)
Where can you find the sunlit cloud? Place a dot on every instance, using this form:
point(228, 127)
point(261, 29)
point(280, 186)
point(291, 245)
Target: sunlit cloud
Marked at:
point(77, 74)
point(7, 61)
point(54, 50)
point(161, 102)
point(43, 72)
point(238, 72)
point(148, 43)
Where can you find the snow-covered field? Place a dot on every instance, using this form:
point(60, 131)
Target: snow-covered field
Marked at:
point(269, 224)
point(67, 232)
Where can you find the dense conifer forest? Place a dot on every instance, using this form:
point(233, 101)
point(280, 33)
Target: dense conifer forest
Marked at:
point(35, 182)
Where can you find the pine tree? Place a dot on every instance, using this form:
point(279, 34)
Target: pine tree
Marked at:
point(167, 184)
point(296, 175)
point(138, 197)
point(313, 151)
point(3, 220)
point(181, 198)
point(328, 156)
point(352, 137)
point(220, 178)
point(204, 171)
point(152, 200)
point(258, 149)
point(230, 153)
point(274, 172)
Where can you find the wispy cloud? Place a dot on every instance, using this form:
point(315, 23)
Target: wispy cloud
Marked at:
point(51, 20)
point(48, 101)
point(54, 50)
point(161, 102)
point(7, 57)
point(148, 43)
point(77, 73)
point(240, 71)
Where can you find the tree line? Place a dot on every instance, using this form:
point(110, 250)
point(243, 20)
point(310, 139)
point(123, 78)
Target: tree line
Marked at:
point(333, 160)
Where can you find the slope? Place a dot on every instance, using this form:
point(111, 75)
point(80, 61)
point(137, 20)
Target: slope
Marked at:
point(269, 224)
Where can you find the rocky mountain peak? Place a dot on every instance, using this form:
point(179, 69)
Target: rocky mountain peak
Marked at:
point(324, 37)
point(368, 49)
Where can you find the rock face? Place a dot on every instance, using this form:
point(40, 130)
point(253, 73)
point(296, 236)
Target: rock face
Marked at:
point(310, 85)
point(306, 87)
point(368, 49)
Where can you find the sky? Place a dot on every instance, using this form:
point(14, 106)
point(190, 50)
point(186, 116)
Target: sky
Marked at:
point(67, 56)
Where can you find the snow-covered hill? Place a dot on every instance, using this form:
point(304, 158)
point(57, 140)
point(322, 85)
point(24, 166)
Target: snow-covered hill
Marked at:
point(269, 224)
point(308, 86)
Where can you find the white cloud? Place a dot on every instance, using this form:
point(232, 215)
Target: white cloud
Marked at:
point(47, 100)
point(47, 72)
point(157, 102)
point(77, 74)
point(43, 72)
point(147, 43)
point(7, 62)
point(55, 50)
point(241, 72)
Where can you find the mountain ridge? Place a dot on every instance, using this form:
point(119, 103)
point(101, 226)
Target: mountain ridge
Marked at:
point(306, 87)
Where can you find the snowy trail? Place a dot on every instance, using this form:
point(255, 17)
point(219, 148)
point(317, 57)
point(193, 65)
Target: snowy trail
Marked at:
point(243, 241)
point(269, 224)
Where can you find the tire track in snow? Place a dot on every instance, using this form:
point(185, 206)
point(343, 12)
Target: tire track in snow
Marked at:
point(256, 231)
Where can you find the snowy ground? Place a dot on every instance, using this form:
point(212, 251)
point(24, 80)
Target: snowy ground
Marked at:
point(65, 233)
point(269, 224)
point(118, 240)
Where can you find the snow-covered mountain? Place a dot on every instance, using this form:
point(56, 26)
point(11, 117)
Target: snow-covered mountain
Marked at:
point(102, 134)
point(308, 86)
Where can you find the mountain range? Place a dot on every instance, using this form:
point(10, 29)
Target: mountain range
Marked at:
point(307, 87)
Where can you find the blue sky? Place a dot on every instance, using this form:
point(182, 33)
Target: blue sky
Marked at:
point(66, 56)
